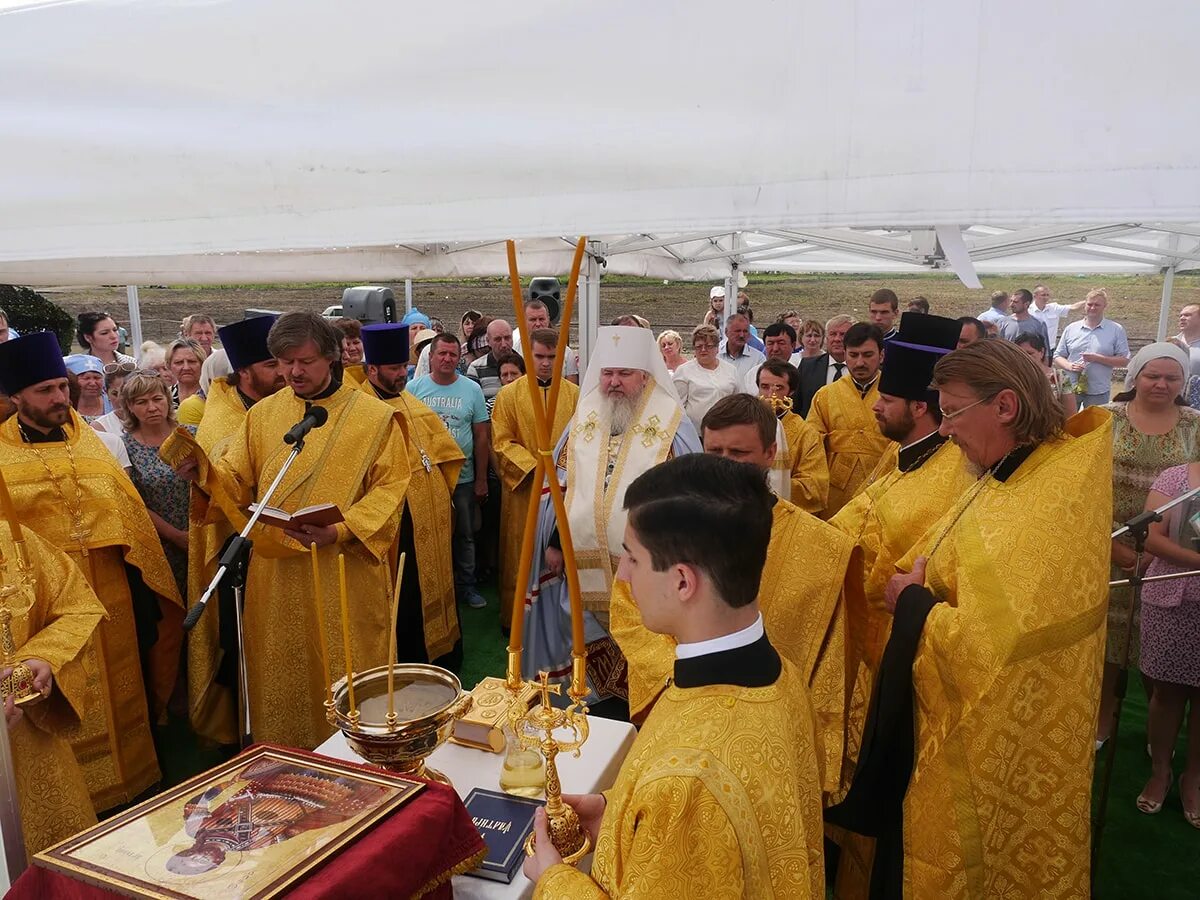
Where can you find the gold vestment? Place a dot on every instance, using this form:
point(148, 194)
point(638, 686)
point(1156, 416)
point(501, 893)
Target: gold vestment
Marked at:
point(810, 470)
point(514, 441)
point(887, 517)
point(52, 621)
point(358, 461)
point(802, 597)
point(78, 498)
point(212, 707)
point(1006, 678)
point(434, 460)
point(718, 797)
point(853, 443)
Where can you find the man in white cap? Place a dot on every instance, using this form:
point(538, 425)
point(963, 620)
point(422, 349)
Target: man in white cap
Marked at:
point(628, 420)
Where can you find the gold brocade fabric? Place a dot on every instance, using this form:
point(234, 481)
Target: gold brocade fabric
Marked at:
point(890, 514)
point(52, 621)
point(810, 470)
point(853, 444)
point(212, 707)
point(113, 744)
point(514, 441)
point(802, 602)
point(429, 498)
point(1007, 678)
point(357, 460)
point(718, 798)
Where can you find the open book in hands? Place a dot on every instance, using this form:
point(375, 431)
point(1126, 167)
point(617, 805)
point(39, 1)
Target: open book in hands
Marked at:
point(320, 515)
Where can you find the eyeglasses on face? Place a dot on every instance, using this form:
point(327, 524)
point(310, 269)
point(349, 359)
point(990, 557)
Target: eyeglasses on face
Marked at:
point(951, 416)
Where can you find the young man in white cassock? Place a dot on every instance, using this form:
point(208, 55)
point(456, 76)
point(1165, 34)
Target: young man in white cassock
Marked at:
point(629, 419)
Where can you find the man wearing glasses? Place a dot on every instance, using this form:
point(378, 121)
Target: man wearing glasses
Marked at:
point(997, 655)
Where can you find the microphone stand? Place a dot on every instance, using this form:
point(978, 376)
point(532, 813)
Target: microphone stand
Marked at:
point(235, 562)
point(1139, 528)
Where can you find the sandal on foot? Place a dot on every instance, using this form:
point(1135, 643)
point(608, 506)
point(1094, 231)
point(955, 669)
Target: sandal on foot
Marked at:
point(1152, 807)
point(1192, 817)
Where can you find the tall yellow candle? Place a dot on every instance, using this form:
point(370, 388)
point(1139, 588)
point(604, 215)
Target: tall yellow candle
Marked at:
point(391, 716)
point(321, 639)
point(353, 710)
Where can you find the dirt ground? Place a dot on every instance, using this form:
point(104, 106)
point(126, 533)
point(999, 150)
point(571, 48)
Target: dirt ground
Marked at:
point(1134, 300)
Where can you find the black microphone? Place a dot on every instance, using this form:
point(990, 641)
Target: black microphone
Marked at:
point(314, 418)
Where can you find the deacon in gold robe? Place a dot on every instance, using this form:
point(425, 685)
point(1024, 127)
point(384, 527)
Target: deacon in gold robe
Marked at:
point(47, 619)
point(358, 462)
point(991, 675)
point(212, 667)
point(803, 593)
point(719, 796)
point(514, 442)
point(920, 477)
point(799, 450)
point(68, 486)
point(427, 629)
point(842, 414)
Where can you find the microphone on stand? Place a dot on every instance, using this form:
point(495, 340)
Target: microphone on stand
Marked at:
point(314, 418)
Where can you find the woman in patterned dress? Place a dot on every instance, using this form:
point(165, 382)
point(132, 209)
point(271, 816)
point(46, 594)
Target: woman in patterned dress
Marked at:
point(1152, 431)
point(1170, 645)
point(149, 417)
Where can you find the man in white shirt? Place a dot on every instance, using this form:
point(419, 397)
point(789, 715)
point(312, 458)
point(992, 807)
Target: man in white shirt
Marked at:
point(818, 371)
point(737, 351)
point(997, 312)
point(779, 338)
point(537, 314)
point(1050, 313)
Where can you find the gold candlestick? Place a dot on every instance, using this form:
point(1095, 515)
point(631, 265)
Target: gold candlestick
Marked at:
point(322, 640)
point(352, 712)
point(536, 728)
point(391, 688)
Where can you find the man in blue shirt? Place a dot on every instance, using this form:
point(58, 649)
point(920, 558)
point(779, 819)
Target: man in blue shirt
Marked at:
point(1092, 348)
point(459, 403)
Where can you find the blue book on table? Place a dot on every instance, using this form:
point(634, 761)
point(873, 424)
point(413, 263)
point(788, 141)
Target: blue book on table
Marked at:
point(504, 821)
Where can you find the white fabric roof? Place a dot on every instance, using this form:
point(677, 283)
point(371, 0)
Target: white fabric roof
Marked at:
point(153, 141)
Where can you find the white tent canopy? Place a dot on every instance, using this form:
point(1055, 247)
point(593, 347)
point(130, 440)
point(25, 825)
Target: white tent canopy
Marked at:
point(218, 141)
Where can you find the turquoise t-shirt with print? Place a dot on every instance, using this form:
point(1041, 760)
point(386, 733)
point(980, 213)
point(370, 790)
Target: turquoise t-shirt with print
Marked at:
point(460, 406)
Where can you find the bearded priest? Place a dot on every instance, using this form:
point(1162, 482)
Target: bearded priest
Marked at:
point(628, 420)
point(719, 796)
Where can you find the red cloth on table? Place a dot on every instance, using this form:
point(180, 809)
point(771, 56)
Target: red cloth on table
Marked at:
point(416, 848)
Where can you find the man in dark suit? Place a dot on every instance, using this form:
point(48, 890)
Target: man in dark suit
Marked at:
point(818, 371)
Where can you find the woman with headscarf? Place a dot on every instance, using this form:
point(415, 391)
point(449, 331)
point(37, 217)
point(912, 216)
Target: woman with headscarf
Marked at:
point(1153, 430)
point(90, 371)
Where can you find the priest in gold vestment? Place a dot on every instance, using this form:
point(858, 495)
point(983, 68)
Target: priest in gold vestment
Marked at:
point(514, 442)
point(990, 678)
point(719, 796)
point(842, 414)
point(67, 486)
point(357, 461)
point(799, 450)
point(920, 477)
point(52, 614)
point(212, 667)
point(428, 628)
point(803, 593)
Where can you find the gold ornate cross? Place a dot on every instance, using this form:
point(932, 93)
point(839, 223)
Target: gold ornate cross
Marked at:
point(588, 426)
point(652, 431)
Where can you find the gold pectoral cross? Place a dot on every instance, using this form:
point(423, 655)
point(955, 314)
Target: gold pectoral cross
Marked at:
point(79, 534)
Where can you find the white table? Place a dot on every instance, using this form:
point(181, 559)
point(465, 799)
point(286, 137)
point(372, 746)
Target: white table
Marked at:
point(594, 770)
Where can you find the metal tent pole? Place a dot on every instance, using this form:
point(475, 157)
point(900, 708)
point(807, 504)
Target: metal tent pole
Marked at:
point(407, 295)
point(1164, 311)
point(135, 321)
point(589, 302)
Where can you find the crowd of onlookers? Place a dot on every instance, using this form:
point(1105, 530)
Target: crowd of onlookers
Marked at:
point(135, 404)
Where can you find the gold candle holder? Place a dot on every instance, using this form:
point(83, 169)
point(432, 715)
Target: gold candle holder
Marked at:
point(536, 729)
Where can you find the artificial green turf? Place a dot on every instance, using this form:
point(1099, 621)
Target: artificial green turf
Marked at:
point(1141, 855)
